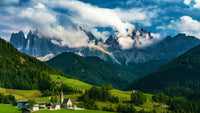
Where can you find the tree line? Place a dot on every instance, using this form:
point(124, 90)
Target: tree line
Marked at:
point(55, 90)
point(97, 94)
point(7, 99)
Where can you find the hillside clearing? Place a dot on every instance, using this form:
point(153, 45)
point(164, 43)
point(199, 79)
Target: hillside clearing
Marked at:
point(71, 82)
point(21, 94)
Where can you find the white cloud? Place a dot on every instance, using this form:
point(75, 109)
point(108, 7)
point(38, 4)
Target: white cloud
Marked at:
point(197, 4)
point(39, 14)
point(186, 25)
point(187, 2)
point(139, 15)
point(126, 42)
point(46, 22)
point(192, 3)
point(89, 16)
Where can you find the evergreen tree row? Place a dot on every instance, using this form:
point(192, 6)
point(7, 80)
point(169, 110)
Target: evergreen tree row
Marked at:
point(55, 90)
point(7, 99)
point(99, 94)
point(138, 98)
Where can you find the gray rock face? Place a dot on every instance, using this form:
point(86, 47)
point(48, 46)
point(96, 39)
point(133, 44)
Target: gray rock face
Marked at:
point(35, 44)
point(18, 40)
point(166, 49)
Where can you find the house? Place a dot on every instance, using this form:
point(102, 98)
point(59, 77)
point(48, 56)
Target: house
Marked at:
point(67, 103)
point(59, 82)
point(36, 107)
point(42, 104)
point(53, 81)
point(162, 105)
point(54, 106)
point(22, 103)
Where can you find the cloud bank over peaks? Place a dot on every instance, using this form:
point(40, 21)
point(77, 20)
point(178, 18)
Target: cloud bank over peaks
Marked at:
point(43, 16)
point(136, 38)
point(46, 22)
point(125, 39)
point(88, 16)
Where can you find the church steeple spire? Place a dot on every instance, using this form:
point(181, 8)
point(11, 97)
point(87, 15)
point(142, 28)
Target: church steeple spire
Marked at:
point(61, 97)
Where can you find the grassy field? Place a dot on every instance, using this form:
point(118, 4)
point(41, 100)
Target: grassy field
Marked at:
point(71, 111)
point(9, 109)
point(123, 96)
point(71, 82)
point(21, 94)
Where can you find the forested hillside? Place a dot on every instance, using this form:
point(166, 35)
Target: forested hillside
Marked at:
point(19, 71)
point(92, 70)
point(181, 77)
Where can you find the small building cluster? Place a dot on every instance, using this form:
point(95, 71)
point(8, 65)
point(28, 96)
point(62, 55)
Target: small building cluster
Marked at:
point(23, 103)
point(53, 106)
point(65, 103)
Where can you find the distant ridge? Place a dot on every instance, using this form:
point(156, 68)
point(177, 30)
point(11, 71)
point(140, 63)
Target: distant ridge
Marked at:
point(180, 77)
point(92, 70)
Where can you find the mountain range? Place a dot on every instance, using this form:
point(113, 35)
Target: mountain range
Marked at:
point(140, 56)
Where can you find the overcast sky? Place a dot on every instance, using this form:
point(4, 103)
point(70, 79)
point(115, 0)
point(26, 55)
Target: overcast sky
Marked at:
point(62, 18)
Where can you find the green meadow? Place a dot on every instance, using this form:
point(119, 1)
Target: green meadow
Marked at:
point(71, 82)
point(71, 111)
point(123, 96)
point(21, 94)
point(9, 109)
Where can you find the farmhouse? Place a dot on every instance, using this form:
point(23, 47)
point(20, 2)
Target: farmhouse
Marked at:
point(162, 105)
point(53, 106)
point(22, 103)
point(36, 107)
point(57, 82)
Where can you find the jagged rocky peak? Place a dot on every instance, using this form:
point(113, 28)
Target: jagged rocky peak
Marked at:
point(140, 38)
point(91, 37)
point(30, 35)
point(18, 39)
point(111, 41)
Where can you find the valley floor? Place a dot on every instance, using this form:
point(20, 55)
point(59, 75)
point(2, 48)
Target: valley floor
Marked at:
point(123, 96)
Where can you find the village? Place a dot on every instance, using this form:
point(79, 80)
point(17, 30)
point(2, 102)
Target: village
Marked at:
point(29, 105)
point(25, 105)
